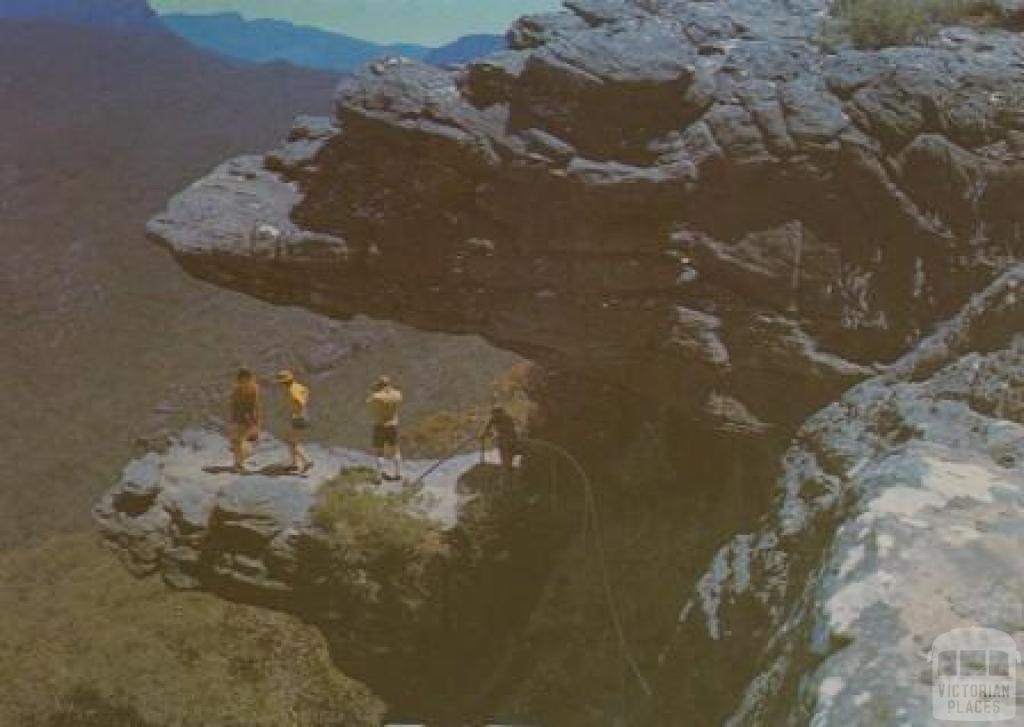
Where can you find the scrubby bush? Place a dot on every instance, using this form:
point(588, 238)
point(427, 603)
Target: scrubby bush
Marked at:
point(435, 435)
point(375, 574)
point(355, 517)
point(873, 24)
point(384, 550)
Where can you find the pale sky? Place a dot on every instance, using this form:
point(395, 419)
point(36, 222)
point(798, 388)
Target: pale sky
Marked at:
point(429, 22)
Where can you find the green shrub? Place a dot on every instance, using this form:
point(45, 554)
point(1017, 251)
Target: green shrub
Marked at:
point(436, 434)
point(352, 476)
point(873, 24)
point(368, 520)
point(383, 552)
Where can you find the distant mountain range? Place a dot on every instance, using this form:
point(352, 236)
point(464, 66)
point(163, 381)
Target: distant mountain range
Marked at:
point(260, 41)
point(466, 49)
point(124, 14)
point(257, 41)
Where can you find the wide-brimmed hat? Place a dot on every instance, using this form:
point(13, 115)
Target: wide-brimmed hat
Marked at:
point(284, 376)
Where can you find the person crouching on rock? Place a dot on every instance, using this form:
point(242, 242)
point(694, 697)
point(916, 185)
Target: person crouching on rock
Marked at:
point(297, 397)
point(384, 401)
point(503, 427)
point(246, 416)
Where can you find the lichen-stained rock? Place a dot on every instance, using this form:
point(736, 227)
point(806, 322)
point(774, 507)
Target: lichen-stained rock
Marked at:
point(199, 529)
point(624, 160)
point(297, 157)
point(695, 202)
point(243, 209)
point(417, 590)
point(899, 516)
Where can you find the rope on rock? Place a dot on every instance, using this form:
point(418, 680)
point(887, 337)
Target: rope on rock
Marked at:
point(590, 515)
point(449, 455)
point(590, 509)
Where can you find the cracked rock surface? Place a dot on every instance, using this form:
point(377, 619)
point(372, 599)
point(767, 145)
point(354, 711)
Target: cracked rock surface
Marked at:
point(697, 203)
point(197, 529)
point(688, 198)
point(899, 516)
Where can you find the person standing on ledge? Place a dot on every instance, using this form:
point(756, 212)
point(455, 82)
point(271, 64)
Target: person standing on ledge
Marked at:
point(246, 416)
point(298, 400)
point(384, 401)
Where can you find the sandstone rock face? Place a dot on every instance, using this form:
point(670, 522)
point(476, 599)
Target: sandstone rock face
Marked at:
point(899, 517)
point(691, 199)
point(196, 529)
point(693, 202)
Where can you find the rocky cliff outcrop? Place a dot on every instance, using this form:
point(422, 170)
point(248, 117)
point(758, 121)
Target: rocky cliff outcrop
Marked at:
point(684, 197)
point(415, 589)
point(899, 517)
point(693, 208)
point(200, 528)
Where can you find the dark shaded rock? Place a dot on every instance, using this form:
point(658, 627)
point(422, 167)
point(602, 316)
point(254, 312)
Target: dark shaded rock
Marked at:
point(612, 138)
point(140, 486)
point(693, 203)
point(1013, 13)
point(168, 514)
point(443, 581)
point(490, 81)
point(297, 157)
point(634, 77)
point(533, 31)
point(905, 498)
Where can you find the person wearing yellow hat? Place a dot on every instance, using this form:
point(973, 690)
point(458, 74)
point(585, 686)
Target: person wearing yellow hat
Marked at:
point(298, 401)
point(384, 402)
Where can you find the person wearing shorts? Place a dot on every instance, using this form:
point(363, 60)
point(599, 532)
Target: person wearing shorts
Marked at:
point(384, 402)
point(298, 421)
point(245, 416)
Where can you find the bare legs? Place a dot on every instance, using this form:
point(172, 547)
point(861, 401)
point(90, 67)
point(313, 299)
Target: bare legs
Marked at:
point(240, 446)
point(300, 461)
point(395, 455)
